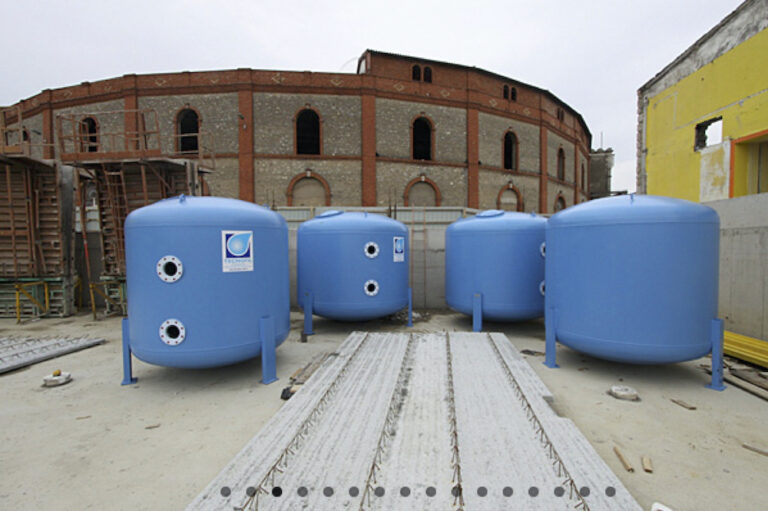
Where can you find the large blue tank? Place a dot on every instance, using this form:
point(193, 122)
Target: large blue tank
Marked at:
point(354, 266)
point(201, 272)
point(634, 278)
point(497, 255)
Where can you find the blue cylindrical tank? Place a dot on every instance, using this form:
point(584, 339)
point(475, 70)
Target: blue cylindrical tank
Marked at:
point(497, 254)
point(200, 274)
point(354, 265)
point(634, 278)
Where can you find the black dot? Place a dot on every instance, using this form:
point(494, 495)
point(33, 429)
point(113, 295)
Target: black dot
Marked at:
point(379, 491)
point(482, 491)
point(507, 491)
point(431, 491)
point(584, 491)
point(559, 491)
point(302, 491)
point(250, 491)
point(610, 491)
point(456, 491)
point(354, 491)
point(405, 491)
point(277, 491)
point(533, 491)
point(225, 491)
point(328, 491)
point(170, 268)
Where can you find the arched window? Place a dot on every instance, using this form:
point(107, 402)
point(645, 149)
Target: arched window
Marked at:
point(561, 164)
point(506, 92)
point(513, 94)
point(188, 128)
point(308, 191)
point(25, 135)
point(560, 114)
point(509, 199)
point(583, 177)
point(416, 73)
point(559, 203)
point(421, 192)
point(510, 151)
point(427, 74)
point(422, 139)
point(89, 135)
point(308, 132)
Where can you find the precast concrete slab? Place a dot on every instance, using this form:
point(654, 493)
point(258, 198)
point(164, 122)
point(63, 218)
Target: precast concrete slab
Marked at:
point(419, 421)
point(24, 351)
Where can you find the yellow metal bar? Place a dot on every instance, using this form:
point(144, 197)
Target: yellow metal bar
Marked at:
point(21, 287)
point(93, 299)
point(18, 306)
point(746, 348)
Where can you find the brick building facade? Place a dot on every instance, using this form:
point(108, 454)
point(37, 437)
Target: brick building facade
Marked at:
point(402, 130)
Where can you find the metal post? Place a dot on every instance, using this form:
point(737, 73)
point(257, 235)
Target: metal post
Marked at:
point(716, 334)
point(308, 314)
point(268, 356)
point(477, 313)
point(410, 306)
point(128, 378)
point(550, 358)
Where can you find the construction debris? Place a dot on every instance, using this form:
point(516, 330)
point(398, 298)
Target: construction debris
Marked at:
point(755, 449)
point(54, 380)
point(624, 392)
point(301, 375)
point(533, 353)
point(152, 426)
point(647, 466)
point(738, 382)
point(623, 460)
point(16, 352)
point(682, 403)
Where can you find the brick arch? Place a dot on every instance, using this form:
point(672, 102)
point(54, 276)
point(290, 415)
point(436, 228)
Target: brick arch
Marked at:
point(560, 197)
point(308, 174)
point(296, 133)
point(432, 136)
point(422, 179)
point(177, 126)
point(85, 137)
point(510, 186)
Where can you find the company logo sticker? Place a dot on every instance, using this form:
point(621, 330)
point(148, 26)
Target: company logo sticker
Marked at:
point(398, 254)
point(236, 251)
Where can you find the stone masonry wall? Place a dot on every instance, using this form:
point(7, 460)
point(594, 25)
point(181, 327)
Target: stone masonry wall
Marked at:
point(492, 182)
point(272, 177)
point(491, 141)
point(554, 142)
point(392, 178)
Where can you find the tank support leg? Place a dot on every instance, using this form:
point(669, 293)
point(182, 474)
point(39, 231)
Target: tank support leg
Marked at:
point(410, 307)
point(128, 378)
point(308, 297)
point(716, 332)
point(550, 357)
point(477, 313)
point(268, 356)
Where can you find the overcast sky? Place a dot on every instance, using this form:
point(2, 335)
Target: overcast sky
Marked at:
point(592, 54)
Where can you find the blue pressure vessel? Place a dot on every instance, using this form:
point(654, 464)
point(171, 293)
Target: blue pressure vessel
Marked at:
point(353, 266)
point(201, 272)
point(634, 278)
point(498, 255)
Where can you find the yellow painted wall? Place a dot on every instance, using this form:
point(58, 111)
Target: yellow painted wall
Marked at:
point(734, 86)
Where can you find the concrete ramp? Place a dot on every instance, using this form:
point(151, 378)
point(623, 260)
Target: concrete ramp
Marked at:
point(419, 421)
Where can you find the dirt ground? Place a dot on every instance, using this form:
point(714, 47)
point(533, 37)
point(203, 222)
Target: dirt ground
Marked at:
point(94, 444)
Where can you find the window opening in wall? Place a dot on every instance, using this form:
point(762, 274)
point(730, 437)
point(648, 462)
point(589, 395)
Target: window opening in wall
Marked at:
point(560, 114)
point(25, 135)
point(561, 164)
point(559, 204)
point(509, 200)
point(583, 177)
point(189, 128)
point(513, 94)
point(428, 74)
point(422, 194)
point(308, 132)
point(422, 139)
point(506, 92)
point(416, 73)
point(709, 132)
point(89, 135)
point(308, 191)
point(510, 151)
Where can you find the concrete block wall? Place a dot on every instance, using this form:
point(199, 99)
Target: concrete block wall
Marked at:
point(743, 297)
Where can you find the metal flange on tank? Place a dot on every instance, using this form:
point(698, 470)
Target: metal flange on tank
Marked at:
point(352, 266)
point(207, 282)
point(634, 279)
